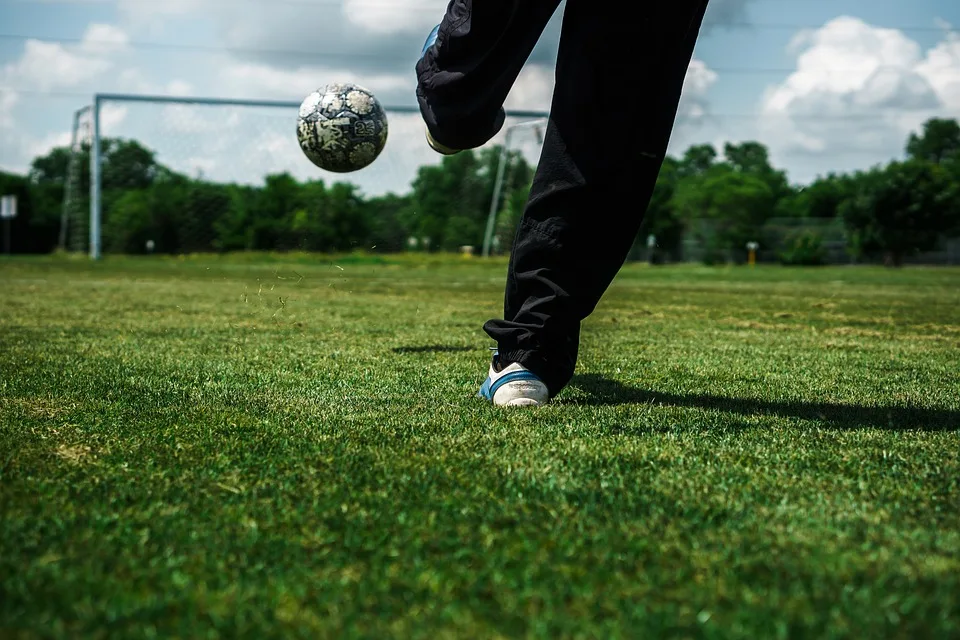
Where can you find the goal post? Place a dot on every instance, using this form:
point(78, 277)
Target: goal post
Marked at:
point(226, 141)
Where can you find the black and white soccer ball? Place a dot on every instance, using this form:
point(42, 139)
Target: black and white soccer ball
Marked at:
point(342, 127)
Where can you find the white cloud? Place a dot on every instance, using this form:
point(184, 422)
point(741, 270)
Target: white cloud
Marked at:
point(104, 40)
point(112, 115)
point(533, 90)
point(46, 66)
point(396, 16)
point(43, 146)
point(941, 68)
point(179, 88)
point(857, 91)
point(250, 79)
point(8, 102)
point(693, 101)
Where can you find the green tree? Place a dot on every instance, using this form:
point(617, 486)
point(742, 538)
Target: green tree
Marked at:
point(661, 219)
point(51, 168)
point(384, 217)
point(131, 223)
point(236, 231)
point(697, 160)
point(820, 199)
point(752, 158)
point(902, 208)
point(126, 164)
point(29, 232)
point(938, 142)
point(724, 209)
point(271, 213)
point(451, 201)
point(514, 193)
point(437, 190)
point(307, 223)
point(48, 177)
point(171, 212)
point(202, 205)
point(344, 219)
point(511, 214)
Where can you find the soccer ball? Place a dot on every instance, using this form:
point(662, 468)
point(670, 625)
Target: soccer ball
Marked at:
point(341, 127)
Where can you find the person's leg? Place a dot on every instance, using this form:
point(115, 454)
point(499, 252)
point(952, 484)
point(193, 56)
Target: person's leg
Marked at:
point(602, 152)
point(465, 76)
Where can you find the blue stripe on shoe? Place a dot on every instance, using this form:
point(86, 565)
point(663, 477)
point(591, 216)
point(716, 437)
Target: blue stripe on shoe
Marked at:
point(431, 39)
point(485, 390)
point(489, 388)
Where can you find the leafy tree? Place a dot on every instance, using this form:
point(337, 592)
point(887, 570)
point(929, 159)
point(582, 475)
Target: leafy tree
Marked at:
point(202, 205)
point(307, 224)
point(752, 158)
point(511, 214)
point(938, 142)
point(804, 248)
point(697, 160)
point(173, 228)
point(131, 223)
point(515, 191)
point(384, 213)
point(902, 208)
point(724, 208)
point(451, 201)
point(52, 168)
point(661, 218)
point(29, 232)
point(820, 199)
point(344, 219)
point(48, 176)
point(235, 231)
point(438, 191)
point(126, 164)
point(271, 213)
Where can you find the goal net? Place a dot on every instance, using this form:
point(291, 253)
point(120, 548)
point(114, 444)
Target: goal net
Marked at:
point(191, 175)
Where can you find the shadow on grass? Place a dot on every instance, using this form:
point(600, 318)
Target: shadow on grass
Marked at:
point(604, 391)
point(432, 348)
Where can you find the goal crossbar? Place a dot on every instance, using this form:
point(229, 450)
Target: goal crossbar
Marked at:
point(96, 150)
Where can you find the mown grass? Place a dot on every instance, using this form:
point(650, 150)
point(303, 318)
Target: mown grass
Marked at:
point(277, 446)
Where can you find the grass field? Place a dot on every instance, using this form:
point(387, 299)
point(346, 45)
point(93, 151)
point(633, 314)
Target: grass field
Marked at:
point(291, 447)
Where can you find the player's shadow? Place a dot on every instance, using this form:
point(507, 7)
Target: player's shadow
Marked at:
point(600, 390)
point(432, 348)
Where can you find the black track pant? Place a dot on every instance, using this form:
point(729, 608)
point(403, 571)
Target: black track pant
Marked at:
point(620, 71)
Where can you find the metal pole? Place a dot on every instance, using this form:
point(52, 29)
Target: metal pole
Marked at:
point(6, 236)
point(495, 200)
point(498, 184)
point(95, 165)
point(130, 97)
point(68, 187)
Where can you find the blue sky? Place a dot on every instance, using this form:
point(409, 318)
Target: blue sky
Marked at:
point(827, 85)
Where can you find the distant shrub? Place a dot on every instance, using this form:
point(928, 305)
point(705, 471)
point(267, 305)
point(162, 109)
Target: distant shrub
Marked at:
point(804, 248)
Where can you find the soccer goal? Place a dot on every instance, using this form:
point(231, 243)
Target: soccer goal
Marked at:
point(150, 172)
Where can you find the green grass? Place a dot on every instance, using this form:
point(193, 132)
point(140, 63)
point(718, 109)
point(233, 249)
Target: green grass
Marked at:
point(291, 447)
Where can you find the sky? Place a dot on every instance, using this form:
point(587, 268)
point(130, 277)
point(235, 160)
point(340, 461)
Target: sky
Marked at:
point(826, 85)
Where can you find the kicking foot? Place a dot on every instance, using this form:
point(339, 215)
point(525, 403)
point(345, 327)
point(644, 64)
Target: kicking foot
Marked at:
point(437, 146)
point(513, 386)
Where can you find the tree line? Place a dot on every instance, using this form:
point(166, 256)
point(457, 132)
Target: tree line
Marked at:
point(721, 198)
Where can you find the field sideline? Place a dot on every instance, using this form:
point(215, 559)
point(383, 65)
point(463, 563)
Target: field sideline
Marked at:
point(269, 446)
